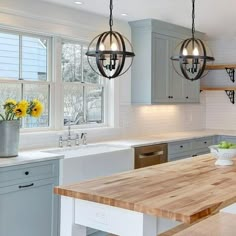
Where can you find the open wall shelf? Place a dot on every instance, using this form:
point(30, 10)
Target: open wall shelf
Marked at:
point(230, 69)
point(220, 66)
point(230, 91)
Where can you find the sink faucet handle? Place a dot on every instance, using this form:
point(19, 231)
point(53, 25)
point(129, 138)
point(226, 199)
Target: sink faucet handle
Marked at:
point(84, 138)
point(60, 141)
point(77, 140)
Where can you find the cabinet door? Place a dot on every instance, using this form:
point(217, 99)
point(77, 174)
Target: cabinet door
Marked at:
point(176, 83)
point(192, 91)
point(161, 68)
point(27, 209)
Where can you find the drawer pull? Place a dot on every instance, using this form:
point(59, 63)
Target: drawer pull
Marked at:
point(151, 154)
point(26, 186)
point(205, 142)
point(27, 173)
point(181, 146)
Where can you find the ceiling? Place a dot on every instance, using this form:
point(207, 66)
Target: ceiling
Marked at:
point(214, 17)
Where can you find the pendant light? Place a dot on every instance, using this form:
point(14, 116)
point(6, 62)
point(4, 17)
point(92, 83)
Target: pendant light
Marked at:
point(192, 55)
point(110, 54)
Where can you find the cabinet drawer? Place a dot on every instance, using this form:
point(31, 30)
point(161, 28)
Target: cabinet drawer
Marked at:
point(27, 172)
point(202, 142)
point(150, 155)
point(179, 147)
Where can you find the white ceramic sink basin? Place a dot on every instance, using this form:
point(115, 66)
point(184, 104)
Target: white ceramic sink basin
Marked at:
point(85, 150)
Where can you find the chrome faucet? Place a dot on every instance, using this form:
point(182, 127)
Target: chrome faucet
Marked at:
point(69, 138)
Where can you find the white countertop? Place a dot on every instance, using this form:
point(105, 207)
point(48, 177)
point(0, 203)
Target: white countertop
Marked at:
point(29, 157)
point(37, 155)
point(169, 137)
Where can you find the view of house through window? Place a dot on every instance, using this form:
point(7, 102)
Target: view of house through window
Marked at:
point(24, 72)
point(83, 88)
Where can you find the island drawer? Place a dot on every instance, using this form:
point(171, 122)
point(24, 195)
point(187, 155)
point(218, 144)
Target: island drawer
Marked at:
point(177, 147)
point(25, 172)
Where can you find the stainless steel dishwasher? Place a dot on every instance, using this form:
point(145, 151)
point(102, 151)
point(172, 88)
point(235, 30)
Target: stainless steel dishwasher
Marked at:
point(150, 155)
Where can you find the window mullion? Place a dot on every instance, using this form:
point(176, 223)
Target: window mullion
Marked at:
point(20, 58)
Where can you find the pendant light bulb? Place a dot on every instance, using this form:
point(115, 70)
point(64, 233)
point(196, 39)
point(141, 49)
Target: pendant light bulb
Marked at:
point(195, 51)
point(185, 52)
point(114, 46)
point(102, 47)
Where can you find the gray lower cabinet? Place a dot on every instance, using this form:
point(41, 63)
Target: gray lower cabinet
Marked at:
point(231, 139)
point(28, 206)
point(190, 148)
point(153, 79)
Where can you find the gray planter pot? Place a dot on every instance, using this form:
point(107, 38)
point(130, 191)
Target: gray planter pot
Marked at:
point(9, 138)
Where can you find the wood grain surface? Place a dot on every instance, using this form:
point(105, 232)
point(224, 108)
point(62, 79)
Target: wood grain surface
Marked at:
point(185, 190)
point(222, 224)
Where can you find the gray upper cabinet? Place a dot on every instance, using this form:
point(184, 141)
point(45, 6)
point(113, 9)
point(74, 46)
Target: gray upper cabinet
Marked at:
point(154, 80)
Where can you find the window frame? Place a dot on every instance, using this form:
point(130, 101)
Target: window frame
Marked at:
point(55, 83)
point(48, 82)
point(104, 85)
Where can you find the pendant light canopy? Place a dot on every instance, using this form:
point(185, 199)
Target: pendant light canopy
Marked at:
point(110, 54)
point(192, 55)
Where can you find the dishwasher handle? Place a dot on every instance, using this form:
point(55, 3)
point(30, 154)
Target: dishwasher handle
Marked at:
point(151, 154)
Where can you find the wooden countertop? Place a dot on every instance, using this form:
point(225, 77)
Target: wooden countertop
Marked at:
point(185, 190)
point(222, 224)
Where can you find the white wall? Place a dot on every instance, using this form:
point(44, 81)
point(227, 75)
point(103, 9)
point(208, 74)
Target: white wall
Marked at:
point(133, 120)
point(220, 113)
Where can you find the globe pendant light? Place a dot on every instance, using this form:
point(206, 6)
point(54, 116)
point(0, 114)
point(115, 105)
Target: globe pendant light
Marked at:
point(110, 54)
point(192, 55)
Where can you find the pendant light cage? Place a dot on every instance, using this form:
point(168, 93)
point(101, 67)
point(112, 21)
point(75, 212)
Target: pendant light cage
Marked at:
point(192, 55)
point(110, 54)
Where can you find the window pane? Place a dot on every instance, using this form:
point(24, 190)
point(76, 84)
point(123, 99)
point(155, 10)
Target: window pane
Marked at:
point(73, 104)
point(40, 92)
point(34, 58)
point(89, 75)
point(71, 62)
point(94, 104)
point(7, 91)
point(9, 56)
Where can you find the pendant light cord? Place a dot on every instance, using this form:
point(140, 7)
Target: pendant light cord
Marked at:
point(111, 17)
point(193, 19)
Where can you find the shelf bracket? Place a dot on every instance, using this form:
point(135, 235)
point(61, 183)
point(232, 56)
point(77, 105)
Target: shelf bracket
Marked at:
point(231, 72)
point(231, 95)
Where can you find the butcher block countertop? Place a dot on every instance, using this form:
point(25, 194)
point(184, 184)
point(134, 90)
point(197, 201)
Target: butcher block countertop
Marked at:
point(185, 190)
point(222, 224)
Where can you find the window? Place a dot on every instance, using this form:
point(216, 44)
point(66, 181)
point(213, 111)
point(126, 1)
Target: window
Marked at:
point(24, 72)
point(83, 88)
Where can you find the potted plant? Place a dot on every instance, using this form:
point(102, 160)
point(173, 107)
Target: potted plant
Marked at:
point(10, 123)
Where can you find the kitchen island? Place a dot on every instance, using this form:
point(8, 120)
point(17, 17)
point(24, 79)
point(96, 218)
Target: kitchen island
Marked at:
point(129, 203)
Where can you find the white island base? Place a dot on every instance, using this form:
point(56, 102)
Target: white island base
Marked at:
point(116, 220)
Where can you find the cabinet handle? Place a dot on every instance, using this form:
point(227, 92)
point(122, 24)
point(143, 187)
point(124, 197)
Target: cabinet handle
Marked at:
point(205, 142)
point(181, 146)
point(26, 186)
point(151, 154)
point(186, 97)
point(27, 173)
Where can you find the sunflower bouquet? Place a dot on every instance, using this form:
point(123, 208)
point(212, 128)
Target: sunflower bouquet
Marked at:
point(16, 110)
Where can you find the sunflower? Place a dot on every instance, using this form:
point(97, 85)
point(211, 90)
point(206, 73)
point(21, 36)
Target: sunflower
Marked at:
point(20, 109)
point(9, 102)
point(37, 108)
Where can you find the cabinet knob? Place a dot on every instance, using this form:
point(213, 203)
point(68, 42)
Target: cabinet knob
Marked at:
point(27, 173)
point(187, 97)
point(181, 146)
point(205, 142)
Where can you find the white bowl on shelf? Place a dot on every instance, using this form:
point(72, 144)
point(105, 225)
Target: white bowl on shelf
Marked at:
point(224, 156)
